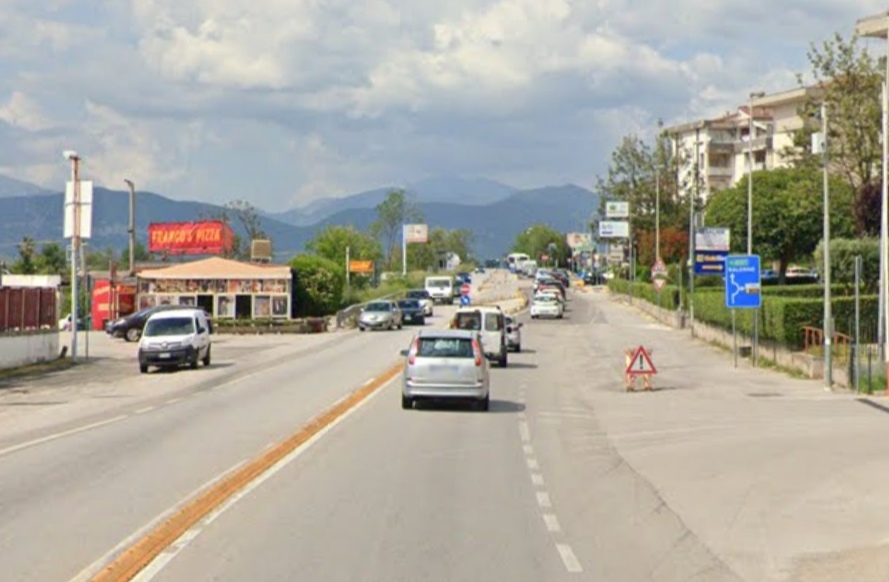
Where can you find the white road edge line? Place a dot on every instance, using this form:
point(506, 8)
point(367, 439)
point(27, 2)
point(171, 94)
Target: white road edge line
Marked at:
point(58, 435)
point(552, 523)
point(543, 500)
point(90, 571)
point(572, 564)
point(156, 565)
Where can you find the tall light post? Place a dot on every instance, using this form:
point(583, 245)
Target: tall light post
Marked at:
point(820, 145)
point(132, 225)
point(72, 156)
point(877, 26)
point(750, 130)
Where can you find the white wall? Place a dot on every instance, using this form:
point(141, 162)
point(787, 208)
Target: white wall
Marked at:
point(28, 348)
point(31, 280)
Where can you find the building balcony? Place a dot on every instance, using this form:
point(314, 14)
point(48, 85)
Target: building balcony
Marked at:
point(764, 142)
point(720, 171)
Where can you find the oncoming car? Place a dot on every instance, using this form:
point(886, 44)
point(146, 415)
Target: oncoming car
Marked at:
point(174, 338)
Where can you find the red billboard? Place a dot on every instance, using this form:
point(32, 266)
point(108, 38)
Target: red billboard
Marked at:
point(207, 237)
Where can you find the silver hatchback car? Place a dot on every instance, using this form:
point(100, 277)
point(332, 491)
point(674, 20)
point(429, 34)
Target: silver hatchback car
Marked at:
point(381, 314)
point(443, 364)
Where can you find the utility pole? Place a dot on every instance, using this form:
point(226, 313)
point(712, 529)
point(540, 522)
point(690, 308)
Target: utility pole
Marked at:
point(828, 315)
point(75, 248)
point(132, 225)
point(750, 132)
point(347, 269)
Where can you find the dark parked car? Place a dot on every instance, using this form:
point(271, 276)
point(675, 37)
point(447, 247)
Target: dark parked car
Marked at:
point(412, 311)
point(130, 327)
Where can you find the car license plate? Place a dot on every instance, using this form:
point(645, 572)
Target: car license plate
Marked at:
point(164, 355)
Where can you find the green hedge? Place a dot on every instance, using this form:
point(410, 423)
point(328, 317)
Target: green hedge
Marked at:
point(781, 318)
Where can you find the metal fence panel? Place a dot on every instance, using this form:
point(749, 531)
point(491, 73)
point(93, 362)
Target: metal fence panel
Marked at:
point(27, 309)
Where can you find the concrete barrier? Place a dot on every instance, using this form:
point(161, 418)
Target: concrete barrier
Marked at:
point(24, 349)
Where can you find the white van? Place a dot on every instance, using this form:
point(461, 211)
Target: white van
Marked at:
point(491, 324)
point(442, 289)
point(175, 338)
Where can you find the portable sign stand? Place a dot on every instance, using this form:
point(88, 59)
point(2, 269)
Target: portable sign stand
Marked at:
point(639, 364)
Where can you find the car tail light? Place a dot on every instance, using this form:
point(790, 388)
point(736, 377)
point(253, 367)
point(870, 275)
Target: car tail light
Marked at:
point(477, 350)
point(412, 355)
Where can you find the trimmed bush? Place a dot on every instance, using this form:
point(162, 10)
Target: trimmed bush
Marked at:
point(318, 285)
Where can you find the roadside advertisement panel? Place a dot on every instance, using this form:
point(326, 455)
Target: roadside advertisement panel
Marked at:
point(712, 239)
point(579, 240)
point(363, 267)
point(416, 233)
point(617, 209)
point(207, 237)
point(614, 229)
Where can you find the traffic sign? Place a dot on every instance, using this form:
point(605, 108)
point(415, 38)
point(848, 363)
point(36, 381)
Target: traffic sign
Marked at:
point(659, 283)
point(465, 300)
point(640, 363)
point(659, 268)
point(465, 289)
point(743, 287)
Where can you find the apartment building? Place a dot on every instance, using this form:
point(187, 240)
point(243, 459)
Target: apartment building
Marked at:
point(722, 146)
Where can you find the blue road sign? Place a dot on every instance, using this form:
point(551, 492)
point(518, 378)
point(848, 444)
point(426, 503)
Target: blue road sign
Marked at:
point(465, 300)
point(743, 288)
point(710, 262)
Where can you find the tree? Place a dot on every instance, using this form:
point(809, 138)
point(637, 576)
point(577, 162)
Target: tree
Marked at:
point(25, 264)
point(848, 81)
point(540, 239)
point(52, 260)
point(140, 254)
point(246, 222)
point(331, 244)
point(787, 213)
point(392, 214)
point(441, 243)
point(318, 286)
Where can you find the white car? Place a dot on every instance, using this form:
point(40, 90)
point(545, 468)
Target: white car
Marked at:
point(175, 338)
point(546, 305)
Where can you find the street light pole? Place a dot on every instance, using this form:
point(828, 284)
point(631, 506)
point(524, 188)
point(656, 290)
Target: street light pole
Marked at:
point(828, 315)
point(132, 225)
point(878, 27)
point(750, 130)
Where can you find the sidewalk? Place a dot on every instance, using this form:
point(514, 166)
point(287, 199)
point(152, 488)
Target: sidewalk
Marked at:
point(779, 478)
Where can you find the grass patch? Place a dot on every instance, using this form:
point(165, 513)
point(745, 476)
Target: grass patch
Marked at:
point(39, 368)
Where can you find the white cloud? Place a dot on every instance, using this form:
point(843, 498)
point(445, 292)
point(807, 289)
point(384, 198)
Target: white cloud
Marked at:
point(208, 98)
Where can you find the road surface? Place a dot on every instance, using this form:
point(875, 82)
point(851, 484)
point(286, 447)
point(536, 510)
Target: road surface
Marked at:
point(720, 474)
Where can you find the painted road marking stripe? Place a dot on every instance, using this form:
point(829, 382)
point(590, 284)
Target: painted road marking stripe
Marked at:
point(91, 570)
point(146, 409)
point(524, 431)
point(543, 500)
point(174, 400)
point(144, 551)
point(572, 564)
point(537, 479)
point(532, 464)
point(529, 449)
point(552, 523)
point(63, 434)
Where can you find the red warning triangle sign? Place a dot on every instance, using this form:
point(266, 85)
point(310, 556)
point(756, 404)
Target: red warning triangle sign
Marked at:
point(641, 363)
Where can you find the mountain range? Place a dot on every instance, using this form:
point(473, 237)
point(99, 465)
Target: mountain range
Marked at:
point(494, 212)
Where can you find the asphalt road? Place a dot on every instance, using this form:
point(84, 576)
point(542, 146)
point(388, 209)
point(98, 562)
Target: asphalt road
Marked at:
point(720, 474)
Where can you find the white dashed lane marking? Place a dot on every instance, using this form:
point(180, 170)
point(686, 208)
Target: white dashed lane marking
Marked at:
point(552, 523)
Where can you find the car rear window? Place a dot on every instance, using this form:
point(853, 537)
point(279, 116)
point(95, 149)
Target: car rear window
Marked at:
point(445, 348)
point(419, 294)
point(468, 321)
point(493, 323)
point(409, 303)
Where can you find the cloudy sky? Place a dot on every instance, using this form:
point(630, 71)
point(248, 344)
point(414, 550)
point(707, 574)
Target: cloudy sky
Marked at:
point(284, 101)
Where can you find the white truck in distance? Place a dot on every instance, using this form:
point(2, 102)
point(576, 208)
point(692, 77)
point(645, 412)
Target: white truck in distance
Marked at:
point(442, 289)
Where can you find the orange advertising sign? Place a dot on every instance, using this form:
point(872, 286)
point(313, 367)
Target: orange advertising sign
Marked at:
point(364, 267)
point(207, 237)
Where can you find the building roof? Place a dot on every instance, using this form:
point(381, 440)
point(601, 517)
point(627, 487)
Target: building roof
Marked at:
point(218, 268)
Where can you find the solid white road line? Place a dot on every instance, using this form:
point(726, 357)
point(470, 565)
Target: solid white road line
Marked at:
point(572, 564)
point(62, 434)
point(543, 500)
point(552, 523)
point(156, 565)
